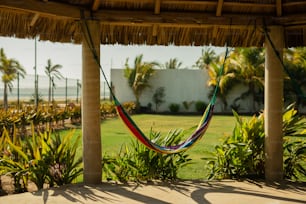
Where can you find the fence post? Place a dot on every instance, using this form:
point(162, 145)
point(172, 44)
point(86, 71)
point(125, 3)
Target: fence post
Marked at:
point(66, 92)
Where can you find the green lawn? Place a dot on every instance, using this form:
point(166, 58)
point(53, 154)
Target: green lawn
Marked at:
point(115, 134)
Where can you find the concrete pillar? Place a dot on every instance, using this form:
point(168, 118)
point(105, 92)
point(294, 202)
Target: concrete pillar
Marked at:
point(91, 108)
point(274, 106)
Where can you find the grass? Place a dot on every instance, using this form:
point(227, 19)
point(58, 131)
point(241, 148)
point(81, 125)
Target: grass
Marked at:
point(115, 135)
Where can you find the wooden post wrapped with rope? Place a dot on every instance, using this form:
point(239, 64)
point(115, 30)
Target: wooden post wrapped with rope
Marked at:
point(91, 107)
point(274, 77)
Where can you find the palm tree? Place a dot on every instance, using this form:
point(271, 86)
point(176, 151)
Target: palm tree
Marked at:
point(249, 66)
point(225, 79)
point(10, 69)
point(173, 64)
point(79, 86)
point(52, 71)
point(208, 56)
point(138, 76)
point(294, 84)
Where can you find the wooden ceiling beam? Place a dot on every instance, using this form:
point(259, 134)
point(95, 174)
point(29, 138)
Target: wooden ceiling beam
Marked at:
point(48, 8)
point(218, 3)
point(219, 8)
point(34, 19)
point(95, 5)
point(278, 7)
point(174, 18)
point(240, 4)
point(60, 10)
point(291, 20)
point(195, 18)
point(234, 4)
point(298, 3)
point(194, 3)
point(157, 7)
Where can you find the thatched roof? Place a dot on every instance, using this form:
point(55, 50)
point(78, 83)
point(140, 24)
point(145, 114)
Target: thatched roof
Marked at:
point(162, 22)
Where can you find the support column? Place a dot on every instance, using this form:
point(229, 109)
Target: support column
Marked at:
point(91, 108)
point(274, 106)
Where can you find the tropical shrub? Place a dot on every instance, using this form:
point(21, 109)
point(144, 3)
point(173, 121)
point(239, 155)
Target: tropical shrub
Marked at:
point(43, 158)
point(158, 97)
point(107, 109)
point(174, 107)
point(75, 114)
point(187, 104)
point(138, 163)
point(54, 117)
point(130, 107)
point(241, 155)
point(64, 166)
point(294, 144)
point(295, 159)
point(200, 106)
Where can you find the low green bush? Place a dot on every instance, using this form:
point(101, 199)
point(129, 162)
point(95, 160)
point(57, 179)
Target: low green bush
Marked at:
point(200, 106)
point(174, 107)
point(138, 163)
point(241, 155)
point(43, 158)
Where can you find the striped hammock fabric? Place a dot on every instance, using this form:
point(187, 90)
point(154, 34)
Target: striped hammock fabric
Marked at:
point(183, 146)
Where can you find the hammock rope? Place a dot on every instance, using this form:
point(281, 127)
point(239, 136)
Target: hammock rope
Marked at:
point(131, 125)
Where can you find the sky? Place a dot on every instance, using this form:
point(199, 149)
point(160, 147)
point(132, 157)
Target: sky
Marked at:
point(111, 56)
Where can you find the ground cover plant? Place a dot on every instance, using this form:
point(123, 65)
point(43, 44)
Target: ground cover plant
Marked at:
point(220, 130)
point(135, 162)
point(241, 154)
point(115, 136)
point(117, 140)
point(41, 158)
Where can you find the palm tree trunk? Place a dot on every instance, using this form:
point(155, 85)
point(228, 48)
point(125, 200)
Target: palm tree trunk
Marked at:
point(52, 90)
point(5, 105)
point(18, 94)
point(252, 90)
point(49, 93)
point(137, 102)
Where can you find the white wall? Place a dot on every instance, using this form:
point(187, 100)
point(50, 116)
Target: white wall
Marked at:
point(180, 85)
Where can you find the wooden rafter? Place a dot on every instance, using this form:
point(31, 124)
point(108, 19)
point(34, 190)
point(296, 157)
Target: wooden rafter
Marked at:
point(95, 5)
point(50, 9)
point(278, 7)
point(34, 19)
point(299, 3)
point(238, 4)
point(219, 8)
point(157, 7)
point(196, 3)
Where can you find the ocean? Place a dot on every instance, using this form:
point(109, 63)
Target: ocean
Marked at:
point(64, 88)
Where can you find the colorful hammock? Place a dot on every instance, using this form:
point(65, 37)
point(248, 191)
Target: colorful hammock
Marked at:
point(135, 130)
point(197, 134)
